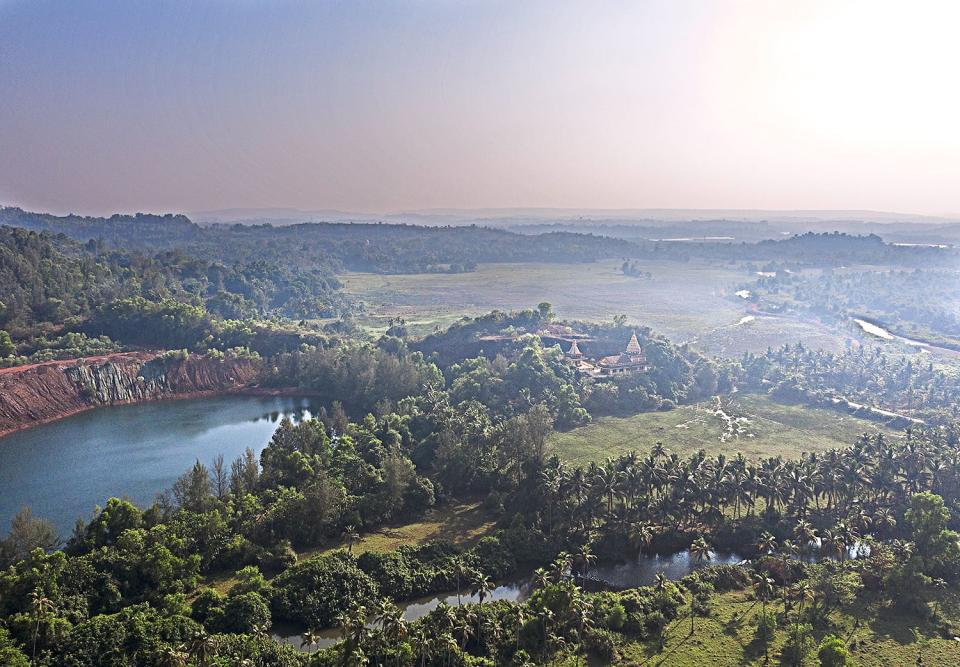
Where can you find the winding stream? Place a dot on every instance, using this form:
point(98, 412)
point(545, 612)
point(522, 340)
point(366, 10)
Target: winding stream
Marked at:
point(641, 571)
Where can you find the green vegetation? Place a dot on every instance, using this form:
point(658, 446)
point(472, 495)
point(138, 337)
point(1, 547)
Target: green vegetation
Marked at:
point(835, 472)
point(759, 427)
point(459, 525)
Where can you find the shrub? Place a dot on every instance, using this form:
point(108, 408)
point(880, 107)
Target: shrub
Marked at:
point(244, 613)
point(799, 644)
point(832, 652)
point(316, 591)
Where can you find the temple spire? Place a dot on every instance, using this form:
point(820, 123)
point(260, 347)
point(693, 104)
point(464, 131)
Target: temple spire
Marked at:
point(633, 347)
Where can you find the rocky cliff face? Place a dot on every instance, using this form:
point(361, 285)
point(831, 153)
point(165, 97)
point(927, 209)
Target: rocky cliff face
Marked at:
point(32, 395)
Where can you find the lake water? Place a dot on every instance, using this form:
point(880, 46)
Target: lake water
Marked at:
point(65, 468)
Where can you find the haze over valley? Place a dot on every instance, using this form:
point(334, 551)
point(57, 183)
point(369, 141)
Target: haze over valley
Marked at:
point(449, 334)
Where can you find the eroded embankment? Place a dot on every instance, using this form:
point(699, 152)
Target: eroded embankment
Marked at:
point(33, 395)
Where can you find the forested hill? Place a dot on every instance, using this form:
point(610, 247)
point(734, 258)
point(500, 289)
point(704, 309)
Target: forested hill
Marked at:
point(121, 231)
point(379, 248)
point(52, 285)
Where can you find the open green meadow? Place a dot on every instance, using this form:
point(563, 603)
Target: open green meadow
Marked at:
point(881, 638)
point(684, 301)
point(757, 426)
point(459, 524)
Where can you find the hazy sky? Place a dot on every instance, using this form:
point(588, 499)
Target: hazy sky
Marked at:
point(375, 106)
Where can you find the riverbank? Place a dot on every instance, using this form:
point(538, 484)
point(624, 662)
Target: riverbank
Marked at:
point(43, 393)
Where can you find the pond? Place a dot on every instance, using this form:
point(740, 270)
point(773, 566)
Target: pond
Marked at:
point(63, 469)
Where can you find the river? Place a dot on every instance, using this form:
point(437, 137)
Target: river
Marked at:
point(639, 571)
point(65, 468)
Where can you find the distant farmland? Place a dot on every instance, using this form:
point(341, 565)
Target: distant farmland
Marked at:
point(684, 301)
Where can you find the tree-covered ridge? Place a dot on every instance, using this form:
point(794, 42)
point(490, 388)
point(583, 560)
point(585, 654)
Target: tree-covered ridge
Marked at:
point(394, 248)
point(56, 292)
point(406, 248)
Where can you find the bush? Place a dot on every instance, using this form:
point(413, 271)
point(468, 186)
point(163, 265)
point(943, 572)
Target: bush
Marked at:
point(799, 644)
point(209, 603)
point(243, 613)
point(832, 652)
point(724, 577)
point(316, 591)
point(602, 644)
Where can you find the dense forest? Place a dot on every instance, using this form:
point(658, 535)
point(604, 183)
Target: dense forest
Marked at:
point(61, 298)
point(66, 280)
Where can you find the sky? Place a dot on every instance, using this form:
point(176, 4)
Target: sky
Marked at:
point(121, 106)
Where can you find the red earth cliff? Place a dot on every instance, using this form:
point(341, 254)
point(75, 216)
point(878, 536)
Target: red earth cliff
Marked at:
point(32, 395)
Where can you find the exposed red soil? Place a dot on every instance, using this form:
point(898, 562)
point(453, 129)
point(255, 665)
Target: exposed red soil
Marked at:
point(40, 393)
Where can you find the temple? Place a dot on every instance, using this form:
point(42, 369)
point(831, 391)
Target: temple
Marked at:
point(631, 360)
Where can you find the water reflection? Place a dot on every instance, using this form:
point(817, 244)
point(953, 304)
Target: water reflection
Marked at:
point(300, 410)
point(65, 468)
point(643, 570)
point(413, 610)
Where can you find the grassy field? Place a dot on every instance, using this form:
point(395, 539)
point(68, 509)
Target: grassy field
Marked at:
point(762, 428)
point(459, 524)
point(684, 301)
point(882, 638)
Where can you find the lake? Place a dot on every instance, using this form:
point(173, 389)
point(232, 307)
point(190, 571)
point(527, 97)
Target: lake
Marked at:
point(65, 468)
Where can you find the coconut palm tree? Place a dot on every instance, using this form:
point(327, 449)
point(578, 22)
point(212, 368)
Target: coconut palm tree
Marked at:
point(763, 588)
point(805, 533)
point(700, 550)
point(660, 582)
point(309, 638)
point(801, 592)
point(394, 627)
point(42, 605)
point(540, 578)
point(203, 649)
point(582, 610)
point(767, 543)
point(641, 534)
point(462, 572)
point(353, 626)
point(584, 559)
point(560, 567)
point(517, 615)
point(351, 535)
point(174, 657)
point(480, 585)
point(884, 521)
point(464, 627)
